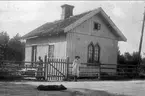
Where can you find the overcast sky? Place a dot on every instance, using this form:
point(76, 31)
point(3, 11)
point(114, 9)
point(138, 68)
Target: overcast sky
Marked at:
point(23, 16)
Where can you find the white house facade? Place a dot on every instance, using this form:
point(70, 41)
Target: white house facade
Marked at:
point(91, 35)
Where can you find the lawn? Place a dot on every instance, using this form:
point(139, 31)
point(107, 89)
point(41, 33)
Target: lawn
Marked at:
point(29, 89)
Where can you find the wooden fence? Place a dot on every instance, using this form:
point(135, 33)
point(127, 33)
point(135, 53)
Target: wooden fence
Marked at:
point(59, 69)
point(51, 69)
point(56, 69)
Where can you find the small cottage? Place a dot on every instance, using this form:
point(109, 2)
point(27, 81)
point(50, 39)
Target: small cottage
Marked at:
point(91, 35)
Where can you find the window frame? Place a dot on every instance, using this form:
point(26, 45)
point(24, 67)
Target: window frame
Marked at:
point(98, 53)
point(92, 53)
point(50, 55)
point(34, 54)
point(98, 26)
point(91, 58)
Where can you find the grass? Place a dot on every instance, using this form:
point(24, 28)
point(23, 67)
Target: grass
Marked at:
point(12, 89)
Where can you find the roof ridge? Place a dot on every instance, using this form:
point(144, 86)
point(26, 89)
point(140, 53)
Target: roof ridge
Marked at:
point(55, 25)
point(69, 17)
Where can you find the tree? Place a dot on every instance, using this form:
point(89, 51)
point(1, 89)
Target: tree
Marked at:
point(11, 49)
point(120, 58)
point(129, 58)
point(4, 39)
point(16, 48)
point(128, 63)
point(135, 58)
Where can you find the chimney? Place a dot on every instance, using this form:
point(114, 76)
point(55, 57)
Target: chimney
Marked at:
point(67, 11)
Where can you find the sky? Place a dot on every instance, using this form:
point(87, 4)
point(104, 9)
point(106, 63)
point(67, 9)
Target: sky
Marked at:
point(24, 16)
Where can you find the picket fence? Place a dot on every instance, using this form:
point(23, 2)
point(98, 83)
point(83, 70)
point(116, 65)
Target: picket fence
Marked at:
point(61, 69)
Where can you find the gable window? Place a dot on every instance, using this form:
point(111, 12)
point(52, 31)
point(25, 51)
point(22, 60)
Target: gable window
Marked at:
point(96, 53)
point(51, 51)
point(97, 26)
point(93, 53)
point(34, 54)
point(90, 53)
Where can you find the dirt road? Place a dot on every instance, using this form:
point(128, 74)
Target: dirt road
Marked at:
point(96, 88)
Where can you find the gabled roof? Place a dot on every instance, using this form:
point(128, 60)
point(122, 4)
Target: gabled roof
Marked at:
point(105, 16)
point(55, 27)
point(62, 26)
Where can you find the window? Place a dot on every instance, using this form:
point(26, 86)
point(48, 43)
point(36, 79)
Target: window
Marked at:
point(51, 51)
point(96, 53)
point(90, 52)
point(34, 53)
point(93, 53)
point(97, 26)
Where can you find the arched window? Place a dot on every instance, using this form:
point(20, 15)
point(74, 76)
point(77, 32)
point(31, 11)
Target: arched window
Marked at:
point(90, 53)
point(96, 53)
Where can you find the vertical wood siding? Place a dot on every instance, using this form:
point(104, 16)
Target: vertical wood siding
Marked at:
point(80, 37)
point(59, 43)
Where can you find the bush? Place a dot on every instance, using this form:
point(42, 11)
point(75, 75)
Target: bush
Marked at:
point(9, 74)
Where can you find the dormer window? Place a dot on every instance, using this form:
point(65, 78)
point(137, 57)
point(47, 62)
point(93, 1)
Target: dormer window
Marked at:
point(97, 26)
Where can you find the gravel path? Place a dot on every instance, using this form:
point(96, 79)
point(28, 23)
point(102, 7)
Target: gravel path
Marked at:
point(94, 88)
point(131, 88)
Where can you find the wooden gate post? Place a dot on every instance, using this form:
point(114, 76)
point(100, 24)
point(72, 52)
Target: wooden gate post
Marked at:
point(67, 64)
point(99, 75)
point(45, 68)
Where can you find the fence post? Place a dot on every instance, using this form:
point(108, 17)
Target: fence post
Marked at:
point(99, 75)
point(137, 71)
point(45, 68)
point(26, 67)
point(67, 63)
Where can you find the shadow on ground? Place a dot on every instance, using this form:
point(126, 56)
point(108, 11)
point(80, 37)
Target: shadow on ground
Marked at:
point(11, 89)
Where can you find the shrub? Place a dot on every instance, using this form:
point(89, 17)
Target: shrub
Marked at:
point(9, 74)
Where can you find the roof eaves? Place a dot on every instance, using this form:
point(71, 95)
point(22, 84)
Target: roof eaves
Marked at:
point(31, 37)
point(122, 37)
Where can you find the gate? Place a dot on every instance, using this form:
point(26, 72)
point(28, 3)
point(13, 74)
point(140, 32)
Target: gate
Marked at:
point(56, 69)
point(52, 69)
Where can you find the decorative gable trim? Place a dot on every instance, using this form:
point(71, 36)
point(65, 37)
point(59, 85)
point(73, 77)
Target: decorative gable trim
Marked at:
point(122, 37)
point(91, 14)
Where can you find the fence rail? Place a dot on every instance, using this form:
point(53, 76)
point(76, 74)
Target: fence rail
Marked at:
point(59, 69)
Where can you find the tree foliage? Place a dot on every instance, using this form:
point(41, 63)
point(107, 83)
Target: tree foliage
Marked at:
point(128, 63)
point(128, 58)
point(11, 49)
point(17, 48)
point(4, 39)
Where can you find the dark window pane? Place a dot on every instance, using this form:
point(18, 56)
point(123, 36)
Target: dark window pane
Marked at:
point(51, 51)
point(97, 26)
point(90, 53)
point(34, 54)
point(96, 53)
